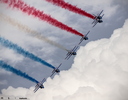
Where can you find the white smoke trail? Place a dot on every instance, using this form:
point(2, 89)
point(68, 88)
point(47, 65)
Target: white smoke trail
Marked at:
point(30, 31)
point(99, 72)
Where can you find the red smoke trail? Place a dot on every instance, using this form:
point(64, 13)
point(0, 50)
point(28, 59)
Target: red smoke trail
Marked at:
point(19, 4)
point(70, 7)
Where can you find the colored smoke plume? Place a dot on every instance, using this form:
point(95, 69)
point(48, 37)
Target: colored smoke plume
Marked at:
point(19, 4)
point(17, 72)
point(30, 31)
point(25, 53)
point(65, 5)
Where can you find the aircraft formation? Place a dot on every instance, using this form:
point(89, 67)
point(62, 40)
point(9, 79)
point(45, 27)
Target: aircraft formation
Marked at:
point(98, 19)
point(20, 5)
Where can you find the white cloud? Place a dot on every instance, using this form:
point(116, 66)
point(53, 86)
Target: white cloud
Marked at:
point(99, 72)
point(15, 92)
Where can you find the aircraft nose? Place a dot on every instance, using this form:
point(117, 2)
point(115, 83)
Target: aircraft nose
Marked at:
point(86, 38)
point(74, 53)
point(100, 21)
point(58, 70)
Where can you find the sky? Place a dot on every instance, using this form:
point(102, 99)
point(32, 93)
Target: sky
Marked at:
point(98, 71)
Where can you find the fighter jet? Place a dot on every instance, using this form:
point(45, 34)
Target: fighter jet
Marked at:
point(56, 70)
point(71, 52)
point(39, 85)
point(84, 38)
point(98, 18)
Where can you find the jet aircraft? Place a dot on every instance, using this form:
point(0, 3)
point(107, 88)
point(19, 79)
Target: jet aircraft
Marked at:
point(71, 52)
point(39, 85)
point(98, 18)
point(84, 38)
point(56, 70)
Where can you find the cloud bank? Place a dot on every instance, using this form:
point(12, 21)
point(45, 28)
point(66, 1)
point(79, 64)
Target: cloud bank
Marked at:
point(99, 72)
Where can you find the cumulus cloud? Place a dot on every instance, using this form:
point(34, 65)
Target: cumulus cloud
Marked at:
point(99, 72)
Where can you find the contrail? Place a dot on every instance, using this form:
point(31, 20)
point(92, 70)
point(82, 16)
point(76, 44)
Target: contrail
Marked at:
point(30, 31)
point(19, 4)
point(17, 72)
point(65, 5)
point(25, 53)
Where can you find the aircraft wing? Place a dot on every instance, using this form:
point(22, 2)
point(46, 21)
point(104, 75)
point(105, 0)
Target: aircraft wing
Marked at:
point(70, 53)
point(43, 81)
point(96, 17)
point(36, 88)
point(53, 72)
point(39, 85)
point(95, 24)
point(83, 38)
point(95, 21)
point(100, 13)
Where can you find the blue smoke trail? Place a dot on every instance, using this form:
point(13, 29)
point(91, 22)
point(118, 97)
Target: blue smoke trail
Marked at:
point(25, 53)
point(17, 72)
